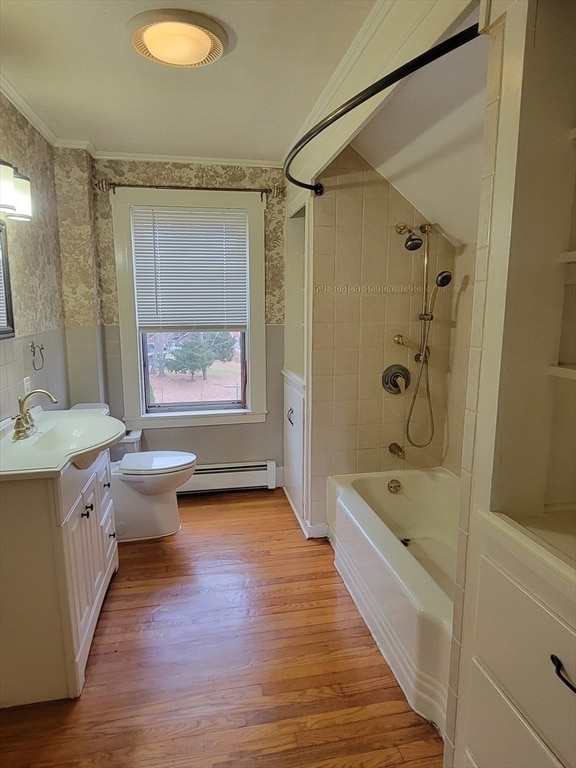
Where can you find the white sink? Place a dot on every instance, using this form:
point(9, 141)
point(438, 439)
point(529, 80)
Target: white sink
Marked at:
point(77, 435)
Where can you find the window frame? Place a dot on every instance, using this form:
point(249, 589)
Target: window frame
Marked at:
point(122, 200)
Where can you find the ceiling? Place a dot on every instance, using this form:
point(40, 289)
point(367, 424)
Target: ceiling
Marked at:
point(71, 66)
point(426, 140)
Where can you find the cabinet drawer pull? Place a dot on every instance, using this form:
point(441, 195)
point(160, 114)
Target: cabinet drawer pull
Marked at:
point(289, 415)
point(106, 485)
point(559, 668)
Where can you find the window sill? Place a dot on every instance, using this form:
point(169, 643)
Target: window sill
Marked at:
point(213, 418)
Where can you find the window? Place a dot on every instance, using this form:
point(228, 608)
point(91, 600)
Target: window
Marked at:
point(190, 273)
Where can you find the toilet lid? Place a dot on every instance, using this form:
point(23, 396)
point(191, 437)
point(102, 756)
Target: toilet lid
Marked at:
point(156, 462)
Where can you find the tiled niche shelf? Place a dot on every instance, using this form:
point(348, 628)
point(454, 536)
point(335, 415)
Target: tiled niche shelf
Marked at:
point(563, 371)
point(568, 370)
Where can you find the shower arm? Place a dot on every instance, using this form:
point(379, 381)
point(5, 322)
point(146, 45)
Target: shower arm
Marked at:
point(436, 52)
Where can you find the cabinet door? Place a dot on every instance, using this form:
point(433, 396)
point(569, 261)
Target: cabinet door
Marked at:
point(79, 556)
point(108, 536)
point(294, 448)
point(91, 517)
point(104, 485)
point(85, 560)
point(106, 518)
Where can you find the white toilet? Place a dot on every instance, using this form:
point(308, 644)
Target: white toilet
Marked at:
point(143, 485)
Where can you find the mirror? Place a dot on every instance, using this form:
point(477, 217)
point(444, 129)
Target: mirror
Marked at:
point(6, 316)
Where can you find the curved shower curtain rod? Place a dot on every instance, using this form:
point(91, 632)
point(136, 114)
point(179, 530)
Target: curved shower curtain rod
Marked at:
point(385, 82)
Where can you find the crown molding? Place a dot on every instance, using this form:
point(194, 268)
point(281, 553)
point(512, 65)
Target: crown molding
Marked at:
point(22, 106)
point(87, 146)
point(135, 157)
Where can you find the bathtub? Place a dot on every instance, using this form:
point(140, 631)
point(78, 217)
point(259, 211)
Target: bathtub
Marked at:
point(397, 556)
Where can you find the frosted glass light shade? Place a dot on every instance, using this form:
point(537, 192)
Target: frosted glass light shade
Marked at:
point(179, 44)
point(22, 198)
point(177, 38)
point(6, 187)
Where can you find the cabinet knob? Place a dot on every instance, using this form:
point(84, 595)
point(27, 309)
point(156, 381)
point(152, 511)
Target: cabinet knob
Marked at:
point(106, 485)
point(89, 508)
point(112, 535)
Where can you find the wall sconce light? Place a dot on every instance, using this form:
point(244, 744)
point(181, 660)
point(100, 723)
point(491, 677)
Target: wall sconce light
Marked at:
point(177, 38)
point(15, 196)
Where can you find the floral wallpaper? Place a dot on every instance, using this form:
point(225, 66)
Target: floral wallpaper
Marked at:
point(73, 172)
point(33, 246)
point(190, 175)
point(62, 263)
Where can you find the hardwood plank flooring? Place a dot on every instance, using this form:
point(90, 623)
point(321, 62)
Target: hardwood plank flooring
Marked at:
point(232, 644)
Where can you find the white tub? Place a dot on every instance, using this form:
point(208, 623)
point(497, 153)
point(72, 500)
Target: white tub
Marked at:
point(403, 590)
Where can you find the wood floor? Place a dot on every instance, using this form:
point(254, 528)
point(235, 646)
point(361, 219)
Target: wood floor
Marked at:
point(232, 644)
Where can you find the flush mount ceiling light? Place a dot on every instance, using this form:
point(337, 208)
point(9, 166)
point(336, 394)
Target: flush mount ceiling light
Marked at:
point(177, 38)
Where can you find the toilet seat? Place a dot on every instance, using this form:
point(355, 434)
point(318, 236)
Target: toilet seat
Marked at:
point(156, 462)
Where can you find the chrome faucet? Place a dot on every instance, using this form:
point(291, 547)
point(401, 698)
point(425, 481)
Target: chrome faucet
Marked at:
point(24, 423)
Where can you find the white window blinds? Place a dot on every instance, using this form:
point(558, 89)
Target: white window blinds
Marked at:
point(190, 268)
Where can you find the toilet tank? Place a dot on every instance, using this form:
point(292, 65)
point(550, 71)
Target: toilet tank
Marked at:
point(130, 443)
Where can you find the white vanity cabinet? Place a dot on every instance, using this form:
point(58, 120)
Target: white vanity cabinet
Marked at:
point(58, 553)
point(514, 710)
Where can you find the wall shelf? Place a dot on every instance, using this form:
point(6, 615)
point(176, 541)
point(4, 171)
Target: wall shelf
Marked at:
point(567, 371)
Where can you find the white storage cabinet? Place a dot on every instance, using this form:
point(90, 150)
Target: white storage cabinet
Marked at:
point(58, 552)
point(514, 710)
point(294, 446)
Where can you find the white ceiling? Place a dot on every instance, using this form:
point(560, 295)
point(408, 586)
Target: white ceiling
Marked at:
point(71, 63)
point(426, 140)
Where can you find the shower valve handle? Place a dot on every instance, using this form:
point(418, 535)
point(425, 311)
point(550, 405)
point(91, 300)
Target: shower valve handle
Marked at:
point(396, 379)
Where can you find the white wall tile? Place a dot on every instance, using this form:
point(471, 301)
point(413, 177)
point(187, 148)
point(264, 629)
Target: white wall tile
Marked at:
point(474, 360)
point(478, 311)
point(468, 440)
point(461, 555)
point(465, 500)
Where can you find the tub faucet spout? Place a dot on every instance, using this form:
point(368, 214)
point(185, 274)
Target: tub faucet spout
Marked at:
point(397, 450)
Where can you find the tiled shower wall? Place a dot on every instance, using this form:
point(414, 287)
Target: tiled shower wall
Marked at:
point(366, 289)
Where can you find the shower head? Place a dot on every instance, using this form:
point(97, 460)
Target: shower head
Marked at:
point(413, 241)
point(443, 279)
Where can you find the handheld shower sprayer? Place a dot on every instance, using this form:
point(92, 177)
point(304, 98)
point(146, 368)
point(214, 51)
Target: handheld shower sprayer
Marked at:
point(443, 279)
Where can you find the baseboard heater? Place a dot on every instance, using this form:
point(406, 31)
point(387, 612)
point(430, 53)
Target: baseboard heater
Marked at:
point(227, 477)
